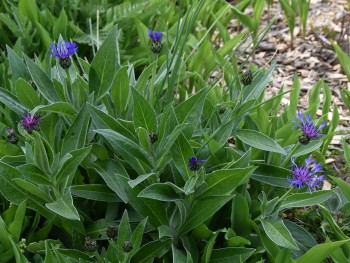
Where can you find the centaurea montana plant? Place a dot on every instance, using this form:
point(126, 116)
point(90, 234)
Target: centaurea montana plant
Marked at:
point(306, 175)
point(156, 38)
point(308, 127)
point(63, 50)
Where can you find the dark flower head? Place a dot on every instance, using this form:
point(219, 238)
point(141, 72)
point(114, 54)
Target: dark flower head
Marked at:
point(194, 163)
point(127, 246)
point(156, 36)
point(90, 244)
point(10, 132)
point(111, 232)
point(11, 136)
point(308, 127)
point(30, 122)
point(307, 175)
point(247, 77)
point(63, 49)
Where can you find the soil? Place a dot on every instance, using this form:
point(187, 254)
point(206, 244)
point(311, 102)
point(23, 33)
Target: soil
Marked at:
point(312, 58)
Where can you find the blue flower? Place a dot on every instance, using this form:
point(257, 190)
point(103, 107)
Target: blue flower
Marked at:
point(194, 163)
point(307, 175)
point(63, 50)
point(156, 36)
point(308, 127)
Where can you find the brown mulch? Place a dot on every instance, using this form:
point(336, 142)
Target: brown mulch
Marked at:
point(312, 58)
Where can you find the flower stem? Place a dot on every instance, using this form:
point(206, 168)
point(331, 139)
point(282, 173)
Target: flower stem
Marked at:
point(286, 160)
point(283, 197)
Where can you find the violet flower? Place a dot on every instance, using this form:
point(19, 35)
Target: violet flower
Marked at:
point(307, 175)
point(30, 122)
point(308, 127)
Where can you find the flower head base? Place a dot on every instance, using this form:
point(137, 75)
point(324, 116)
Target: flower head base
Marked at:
point(90, 245)
point(195, 164)
point(247, 77)
point(156, 41)
point(307, 175)
point(63, 51)
point(308, 127)
point(11, 136)
point(30, 122)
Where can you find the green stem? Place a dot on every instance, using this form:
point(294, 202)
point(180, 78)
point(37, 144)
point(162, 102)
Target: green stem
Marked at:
point(285, 162)
point(152, 90)
point(283, 197)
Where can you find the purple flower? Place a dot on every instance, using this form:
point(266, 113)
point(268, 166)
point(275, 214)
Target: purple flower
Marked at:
point(156, 36)
point(194, 163)
point(307, 175)
point(63, 49)
point(308, 127)
point(30, 122)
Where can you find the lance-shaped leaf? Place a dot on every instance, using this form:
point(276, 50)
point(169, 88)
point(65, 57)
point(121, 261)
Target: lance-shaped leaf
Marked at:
point(64, 207)
point(259, 141)
point(104, 65)
point(131, 152)
point(279, 234)
point(144, 115)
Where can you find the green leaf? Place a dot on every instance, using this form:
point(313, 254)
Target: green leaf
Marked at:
point(240, 216)
point(12, 102)
point(166, 144)
point(70, 166)
point(42, 81)
point(306, 199)
point(32, 189)
point(130, 151)
point(104, 65)
point(208, 249)
point(279, 234)
point(18, 68)
point(64, 207)
point(152, 249)
point(104, 121)
point(344, 60)
point(140, 179)
point(124, 231)
point(108, 170)
point(224, 182)
point(259, 141)
point(26, 94)
point(76, 135)
point(144, 115)
point(344, 187)
point(272, 175)
point(308, 148)
point(201, 210)
point(120, 89)
point(97, 192)
point(319, 252)
point(231, 255)
point(57, 107)
point(136, 238)
point(161, 192)
point(181, 151)
point(60, 25)
point(15, 228)
point(190, 111)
